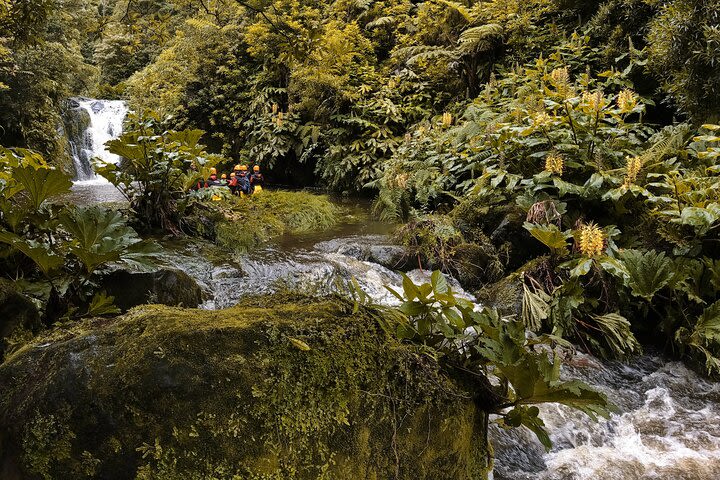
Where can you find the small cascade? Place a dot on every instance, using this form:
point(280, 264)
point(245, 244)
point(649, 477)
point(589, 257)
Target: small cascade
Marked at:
point(90, 123)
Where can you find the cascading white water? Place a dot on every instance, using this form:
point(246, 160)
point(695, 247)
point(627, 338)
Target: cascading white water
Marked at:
point(105, 123)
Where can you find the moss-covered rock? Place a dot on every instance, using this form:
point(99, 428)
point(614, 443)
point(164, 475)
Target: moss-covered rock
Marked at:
point(280, 388)
point(19, 318)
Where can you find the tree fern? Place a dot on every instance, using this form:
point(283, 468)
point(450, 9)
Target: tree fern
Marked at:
point(477, 39)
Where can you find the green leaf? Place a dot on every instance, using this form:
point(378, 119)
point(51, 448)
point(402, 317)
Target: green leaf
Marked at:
point(550, 235)
point(413, 309)
point(439, 282)
point(39, 253)
point(299, 344)
point(535, 308)
point(582, 268)
point(101, 236)
point(647, 273)
point(41, 184)
point(101, 305)
point(411, 290)
point(616, 332)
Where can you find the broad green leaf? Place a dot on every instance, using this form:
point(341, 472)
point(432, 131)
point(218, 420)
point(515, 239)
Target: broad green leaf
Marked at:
point(550, 235)
point(439, 282)
point(410, 289)
point(101, 305)
point(41, 184)
point(647, 273)
point(43, 257)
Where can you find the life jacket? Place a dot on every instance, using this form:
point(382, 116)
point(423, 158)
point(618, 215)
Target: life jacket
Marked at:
point(257, 179)
point(243, 182)
point(212, 181)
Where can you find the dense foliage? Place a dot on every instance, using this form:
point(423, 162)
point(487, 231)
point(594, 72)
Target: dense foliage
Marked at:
point(67, 245)
point(557, 154)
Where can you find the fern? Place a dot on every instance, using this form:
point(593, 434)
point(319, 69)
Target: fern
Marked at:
point(476, 39)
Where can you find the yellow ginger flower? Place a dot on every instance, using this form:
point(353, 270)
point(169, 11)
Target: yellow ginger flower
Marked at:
point(594, 100)
point(590, 240)
point(275, 108)
point(561, 80)
point(279, 119)
point(447, 119)
point(632, 169)
point(554, 163)
point(627, 101)
point(542, 119)
point(560, 76)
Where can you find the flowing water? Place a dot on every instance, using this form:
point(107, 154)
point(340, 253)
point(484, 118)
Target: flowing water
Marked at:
point(100, 122)
point(668, 420)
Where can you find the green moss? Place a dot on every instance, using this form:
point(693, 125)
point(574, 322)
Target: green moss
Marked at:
point(165, 393)
point(259, 218)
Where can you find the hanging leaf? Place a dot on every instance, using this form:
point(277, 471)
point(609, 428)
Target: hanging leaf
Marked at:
point(535, 308)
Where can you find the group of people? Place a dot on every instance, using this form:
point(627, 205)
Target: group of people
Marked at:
point(241, 181)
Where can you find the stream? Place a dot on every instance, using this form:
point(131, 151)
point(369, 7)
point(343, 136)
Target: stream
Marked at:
point(668, 420)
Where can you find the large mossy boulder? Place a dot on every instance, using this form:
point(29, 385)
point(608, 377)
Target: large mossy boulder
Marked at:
point(280, 388)
point(19, 318)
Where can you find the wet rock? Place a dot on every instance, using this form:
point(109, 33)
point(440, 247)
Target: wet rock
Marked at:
point(166, 287)
point(505, 295)
point(17, 315)
point(368, 248)
point(281, 387)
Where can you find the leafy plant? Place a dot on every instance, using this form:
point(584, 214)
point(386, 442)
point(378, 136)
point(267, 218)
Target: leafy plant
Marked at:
point(67, 244)
point(159, 167)
point(520, 372)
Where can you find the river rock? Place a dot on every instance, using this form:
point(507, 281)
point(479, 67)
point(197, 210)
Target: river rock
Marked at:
point(278, 388)
point(368, 248)
point(165, 287)
point(17, 313)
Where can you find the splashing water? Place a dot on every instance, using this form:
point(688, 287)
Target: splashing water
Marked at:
point(667, 427)
point(106, 119)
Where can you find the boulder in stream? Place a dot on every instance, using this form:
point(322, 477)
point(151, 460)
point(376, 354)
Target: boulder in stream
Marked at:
point(279, 388)
point(166, 287)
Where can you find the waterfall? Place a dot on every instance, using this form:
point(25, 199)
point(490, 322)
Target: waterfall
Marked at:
point(90, 123)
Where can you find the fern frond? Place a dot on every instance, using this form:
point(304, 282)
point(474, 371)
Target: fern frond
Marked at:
point(480, 38)
point(381, 22)
point(417, 53)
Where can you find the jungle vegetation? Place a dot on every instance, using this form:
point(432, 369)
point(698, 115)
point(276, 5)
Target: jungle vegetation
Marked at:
point(560, 155)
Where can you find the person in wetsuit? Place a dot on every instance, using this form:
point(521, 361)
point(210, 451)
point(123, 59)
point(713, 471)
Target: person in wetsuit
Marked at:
point(257, 180)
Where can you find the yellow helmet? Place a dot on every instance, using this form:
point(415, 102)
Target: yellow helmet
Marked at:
point(256, 168)
point(243, 168)
point(223, 176)
point(232, 174)
point(237, 167)
point(213, 171)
